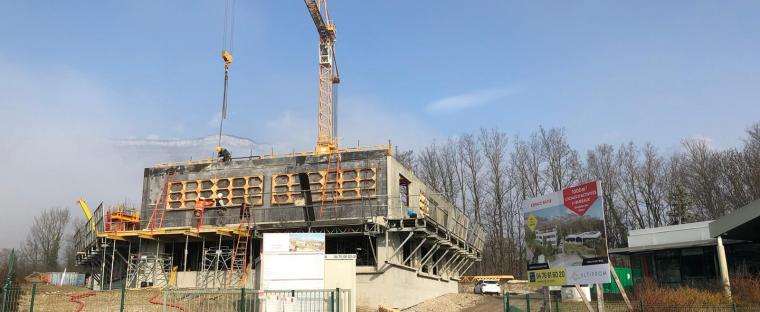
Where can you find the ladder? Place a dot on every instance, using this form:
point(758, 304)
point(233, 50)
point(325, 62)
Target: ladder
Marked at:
point(158, 214)
point(331, 157)
point(239, 259)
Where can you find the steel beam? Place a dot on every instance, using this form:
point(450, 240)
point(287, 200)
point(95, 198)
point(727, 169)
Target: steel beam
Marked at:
point(439, 260)
point(415, 250)
point(408, 237)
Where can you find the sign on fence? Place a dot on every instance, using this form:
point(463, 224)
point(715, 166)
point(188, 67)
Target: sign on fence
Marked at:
point(566, 238)
point(293, 261)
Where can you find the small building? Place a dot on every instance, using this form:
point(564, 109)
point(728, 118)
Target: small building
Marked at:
point(687, 254)
point(547, 237)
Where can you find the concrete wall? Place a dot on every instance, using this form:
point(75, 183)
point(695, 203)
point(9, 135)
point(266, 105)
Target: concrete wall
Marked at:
point(154, 178)
point(400, 288)
point(439, 209)
point(340, 272)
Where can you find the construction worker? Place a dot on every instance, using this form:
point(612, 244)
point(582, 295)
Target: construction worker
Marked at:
point(200, 205)
point(219, 202)
point(223, 154)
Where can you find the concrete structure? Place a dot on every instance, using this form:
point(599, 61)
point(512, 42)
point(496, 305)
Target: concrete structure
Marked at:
point(359, 198)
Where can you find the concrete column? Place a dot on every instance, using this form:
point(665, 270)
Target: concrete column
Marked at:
point(723, 269)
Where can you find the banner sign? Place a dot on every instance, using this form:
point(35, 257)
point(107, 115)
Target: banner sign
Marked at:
point(565, 237)
point(292, 261)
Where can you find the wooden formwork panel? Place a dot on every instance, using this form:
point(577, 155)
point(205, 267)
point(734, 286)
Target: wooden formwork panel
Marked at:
point(424, 208)
point(234, 190)
point(349, 184)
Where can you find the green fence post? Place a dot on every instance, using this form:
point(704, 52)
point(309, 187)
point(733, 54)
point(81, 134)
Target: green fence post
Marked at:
point(337, 295)
point(527, 302)
point(5, 298)
point(505, 300)
point(733, 306)
point(641, 304)
point(556, 304)
point(123, 293)
point(34, 291)
point(242, 299)
point(332, 301)
point(256, 302)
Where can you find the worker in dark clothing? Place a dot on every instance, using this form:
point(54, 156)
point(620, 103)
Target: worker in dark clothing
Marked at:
point(223, 154)
point(221, 210)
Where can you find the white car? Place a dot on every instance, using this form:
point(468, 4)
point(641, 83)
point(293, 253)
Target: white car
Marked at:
point(487, 287)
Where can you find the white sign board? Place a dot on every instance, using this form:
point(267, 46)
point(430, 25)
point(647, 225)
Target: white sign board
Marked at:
point(292, 261)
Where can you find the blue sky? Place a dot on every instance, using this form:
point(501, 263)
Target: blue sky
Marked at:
point(75, 74)
point(608, 72)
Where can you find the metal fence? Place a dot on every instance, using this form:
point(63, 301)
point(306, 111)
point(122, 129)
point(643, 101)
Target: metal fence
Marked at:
point(186, 300)
point(539, 302)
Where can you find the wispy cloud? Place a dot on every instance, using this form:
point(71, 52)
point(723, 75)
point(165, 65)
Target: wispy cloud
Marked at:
point(469, 100)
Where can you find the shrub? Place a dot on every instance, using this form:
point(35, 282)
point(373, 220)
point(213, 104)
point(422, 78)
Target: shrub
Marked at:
point(652, 294)
point(746, 290)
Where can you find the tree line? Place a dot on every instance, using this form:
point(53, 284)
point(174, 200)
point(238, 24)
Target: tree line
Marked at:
point(48, 246)
point(488, 174)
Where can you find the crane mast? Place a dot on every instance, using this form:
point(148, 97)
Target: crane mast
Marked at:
point(328, 76)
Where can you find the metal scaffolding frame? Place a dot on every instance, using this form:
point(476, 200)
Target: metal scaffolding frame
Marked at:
point(148, 270)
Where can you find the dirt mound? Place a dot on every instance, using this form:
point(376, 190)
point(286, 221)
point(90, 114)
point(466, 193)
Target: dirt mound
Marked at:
point(447, 303)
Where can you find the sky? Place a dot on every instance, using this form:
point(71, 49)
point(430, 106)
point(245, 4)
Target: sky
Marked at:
point(76, 75)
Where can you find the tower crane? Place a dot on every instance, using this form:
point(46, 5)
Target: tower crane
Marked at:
point(328, 77)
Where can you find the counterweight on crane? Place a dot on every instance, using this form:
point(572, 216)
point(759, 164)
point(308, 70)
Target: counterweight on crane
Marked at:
point(328, 77)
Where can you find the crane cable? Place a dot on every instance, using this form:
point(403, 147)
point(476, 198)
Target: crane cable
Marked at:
point(229, 28)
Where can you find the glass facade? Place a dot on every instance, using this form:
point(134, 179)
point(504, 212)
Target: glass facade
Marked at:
point(696, 266)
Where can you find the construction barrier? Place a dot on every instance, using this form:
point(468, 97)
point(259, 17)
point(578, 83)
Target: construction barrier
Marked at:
point(184, 300)
point(65, 278)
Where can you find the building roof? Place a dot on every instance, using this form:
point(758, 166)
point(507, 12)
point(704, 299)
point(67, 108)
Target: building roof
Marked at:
point(679, 245)
point(671, 234)
point(742, 223)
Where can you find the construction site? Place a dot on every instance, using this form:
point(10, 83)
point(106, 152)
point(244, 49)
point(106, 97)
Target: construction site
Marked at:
point(200, 224)
point(567, 157)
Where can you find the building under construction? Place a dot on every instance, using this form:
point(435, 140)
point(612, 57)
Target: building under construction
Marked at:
point(200, 225)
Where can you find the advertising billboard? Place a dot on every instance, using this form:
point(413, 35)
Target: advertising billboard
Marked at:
point(565, 237)
point(292, 261)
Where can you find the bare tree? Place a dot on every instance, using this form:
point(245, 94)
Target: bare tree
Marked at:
point(527, 166)
point(406, 158)
point(494, 145)
point(447, 159)
point(43, 243)
point(604, 166)
point(628, 158)
point(473, 162)
point(652, 186)
point(562, 161)
point(702, 168)
point(751, 153)
point(427, 167)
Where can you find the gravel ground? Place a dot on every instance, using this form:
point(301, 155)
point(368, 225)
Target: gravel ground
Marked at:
point(448, 303)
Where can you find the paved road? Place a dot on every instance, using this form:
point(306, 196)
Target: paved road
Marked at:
point(489, 304)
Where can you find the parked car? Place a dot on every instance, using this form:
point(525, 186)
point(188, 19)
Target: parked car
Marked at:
point(487, 287)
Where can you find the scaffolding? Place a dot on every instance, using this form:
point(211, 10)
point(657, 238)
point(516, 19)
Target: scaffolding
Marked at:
point(216, 268)
point(148, 270)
